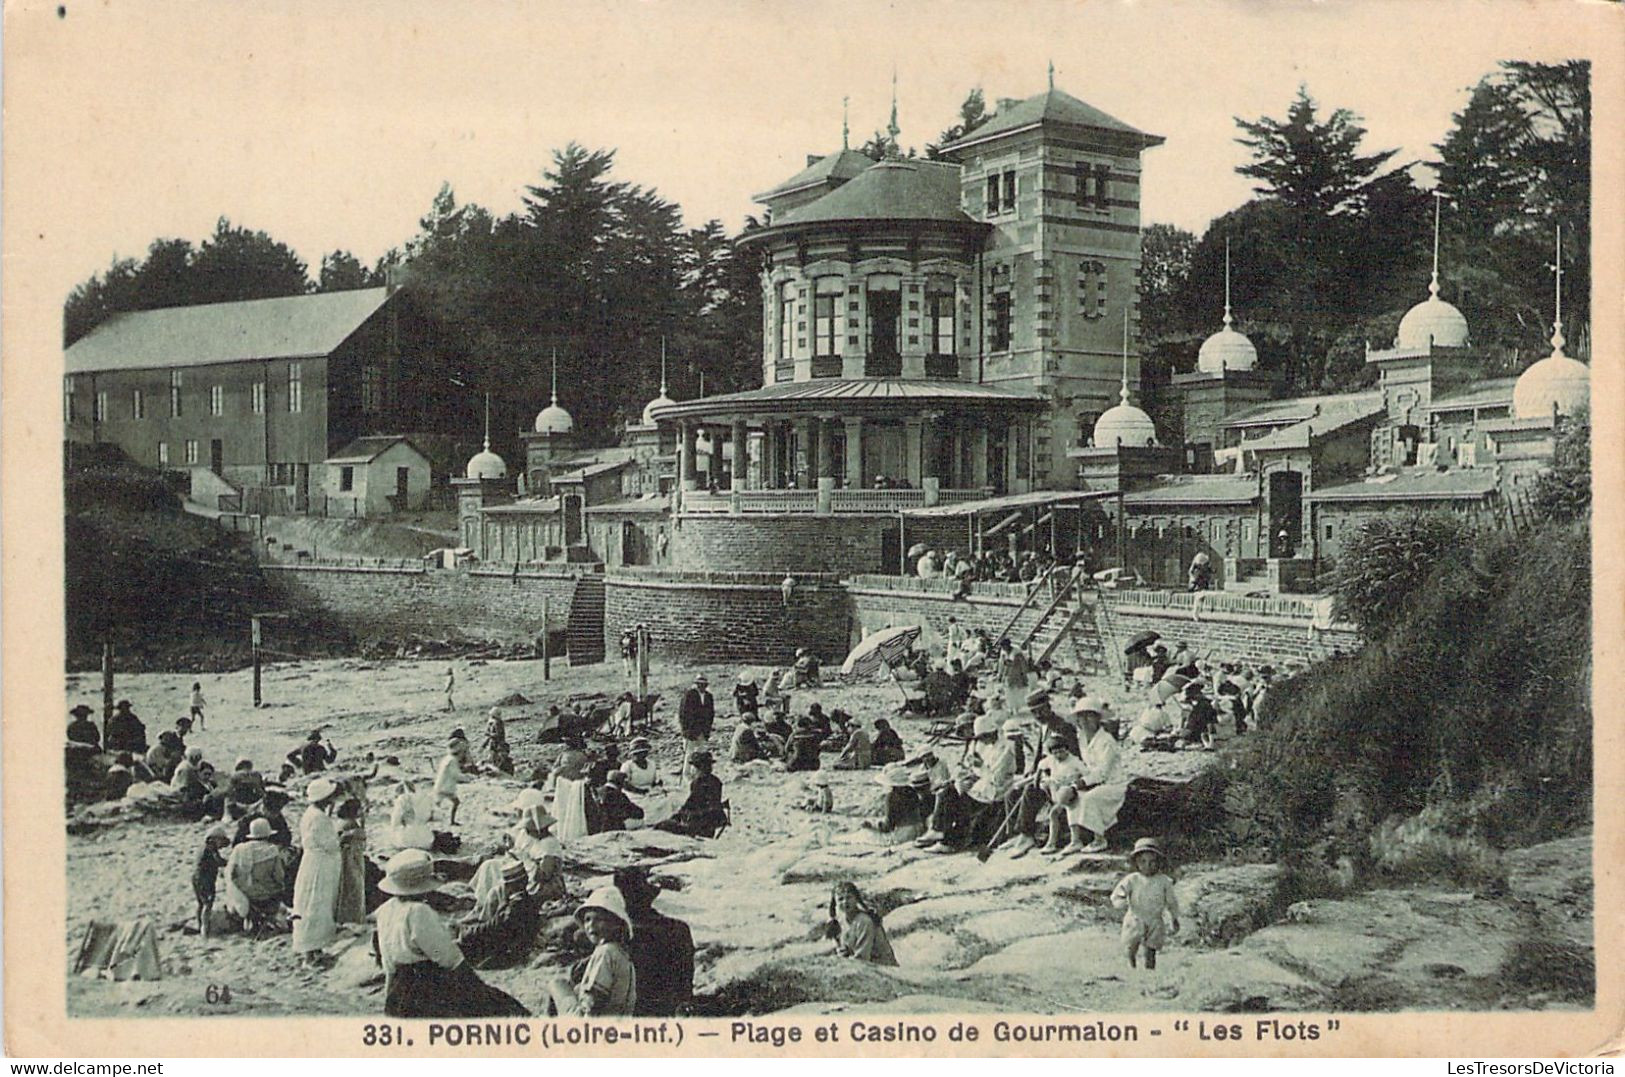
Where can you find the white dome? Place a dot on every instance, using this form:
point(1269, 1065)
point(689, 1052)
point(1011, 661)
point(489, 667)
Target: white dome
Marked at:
point(1432, 322)
point(554, 420)
point(1556, 381)
point(486, 465)
point(649, 409)
point(1226, 350)
point(1125, 425)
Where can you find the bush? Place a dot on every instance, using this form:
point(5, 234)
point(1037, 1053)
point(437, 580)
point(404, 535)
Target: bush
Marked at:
point(1387, 562)
point(1563, 492)
point(1476, 695)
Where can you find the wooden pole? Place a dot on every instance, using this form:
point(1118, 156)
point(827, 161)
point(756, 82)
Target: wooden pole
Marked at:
point(107, 680)
point(902, 546)
point(547, 643)
point(254, 647)
point(643, 662)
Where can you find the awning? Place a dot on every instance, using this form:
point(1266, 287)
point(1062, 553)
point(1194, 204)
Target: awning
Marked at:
point(1011, 501)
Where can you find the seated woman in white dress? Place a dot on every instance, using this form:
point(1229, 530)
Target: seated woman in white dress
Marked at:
point(1103, 786)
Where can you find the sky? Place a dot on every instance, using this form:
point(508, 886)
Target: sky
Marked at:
point(333, 126)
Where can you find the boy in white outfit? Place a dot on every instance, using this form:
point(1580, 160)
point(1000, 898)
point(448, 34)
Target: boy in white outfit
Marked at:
point(1146, 893)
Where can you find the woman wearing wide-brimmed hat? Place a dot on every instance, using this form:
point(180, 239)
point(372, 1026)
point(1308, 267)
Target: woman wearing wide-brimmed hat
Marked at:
point(609, 981)
point(1104, 783)
point(532, 842)
point(425, 973)
point(502, 928)
point(316, 887)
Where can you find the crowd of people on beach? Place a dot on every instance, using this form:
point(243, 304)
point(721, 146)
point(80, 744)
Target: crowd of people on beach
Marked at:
point(1017, 759)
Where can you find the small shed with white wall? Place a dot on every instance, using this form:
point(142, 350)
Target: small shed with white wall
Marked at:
point(375, 476)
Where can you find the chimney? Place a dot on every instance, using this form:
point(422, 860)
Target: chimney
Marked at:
point(1007, 103)
point(813, 158)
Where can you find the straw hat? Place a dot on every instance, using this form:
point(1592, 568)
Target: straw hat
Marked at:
point(1147, 845)
point(528, 798)
point(821, 779)
point(319, 790)
point(260, 829)
point(895, 776)
point(410, 871)
point(1088, 705)
point(1013, 728)
point(640, 744)
point(1037, 697)
point(985, 725)
point(609, 899)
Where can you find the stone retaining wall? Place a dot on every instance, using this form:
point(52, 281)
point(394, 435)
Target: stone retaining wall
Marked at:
point(1251, 637)
point(380, 603)
point(801, 543)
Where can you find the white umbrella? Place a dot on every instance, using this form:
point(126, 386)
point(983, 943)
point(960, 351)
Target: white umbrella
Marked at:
point(880, 649)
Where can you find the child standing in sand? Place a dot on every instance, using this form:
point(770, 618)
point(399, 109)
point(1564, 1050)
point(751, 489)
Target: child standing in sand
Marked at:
point(451, 683)
point(198, 703)
point(1146, 893)
point(206, 875)
point(446, 776)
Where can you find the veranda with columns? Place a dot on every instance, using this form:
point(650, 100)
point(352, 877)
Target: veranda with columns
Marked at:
point(790, 455)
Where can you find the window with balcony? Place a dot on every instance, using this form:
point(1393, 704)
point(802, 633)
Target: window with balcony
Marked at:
point(885, 358)
point(828, 339)
point(784, 358)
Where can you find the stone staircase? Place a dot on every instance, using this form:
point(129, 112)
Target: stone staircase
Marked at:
point(584, 633)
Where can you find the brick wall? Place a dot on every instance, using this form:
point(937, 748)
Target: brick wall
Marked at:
point(451, 604)
point(1238, 636)
point(738, 617)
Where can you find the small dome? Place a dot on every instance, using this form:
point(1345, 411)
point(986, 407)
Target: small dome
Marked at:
point(487, 465)
point(1432, 322)
point(1226, 350)
point(554, 420)
point(1125, 425)
point(1555, 382)
point(658, 402)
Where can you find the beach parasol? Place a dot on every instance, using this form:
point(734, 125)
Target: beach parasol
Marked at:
point(880, 649)
point(1141, 640)
point(917, 550)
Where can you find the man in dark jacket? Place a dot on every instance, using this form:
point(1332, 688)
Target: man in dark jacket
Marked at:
point(695, 716)
point(662, 948)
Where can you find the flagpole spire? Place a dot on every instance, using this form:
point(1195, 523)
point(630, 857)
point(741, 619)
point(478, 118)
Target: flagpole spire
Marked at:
point(488, 420)
point(846, 124)
point(1123, 393)
point(662, 366)
point(1052, 76)
point(1557, 270)
point(1227, 282)
point(892, 128)
point(1438, 204)
point(555, 374)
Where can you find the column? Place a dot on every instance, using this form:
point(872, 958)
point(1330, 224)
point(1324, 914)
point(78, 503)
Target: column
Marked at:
point(741, 443)
point(685, 455)
point(854, 453)
point(799, 479)
point(826, 446)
